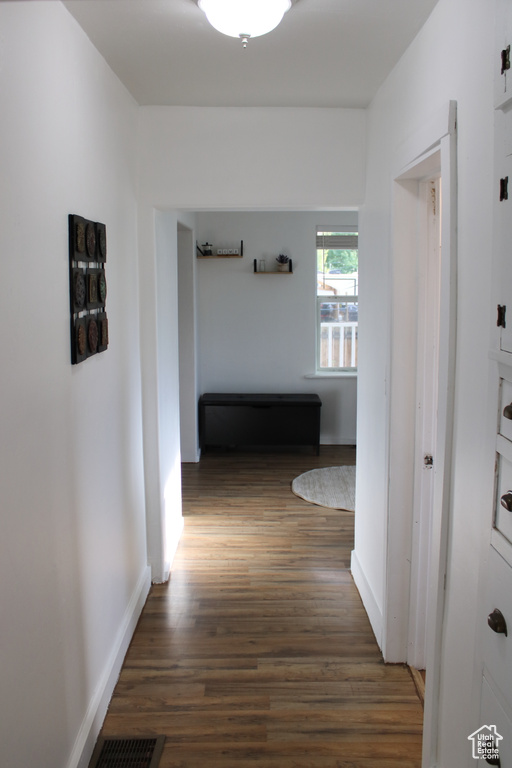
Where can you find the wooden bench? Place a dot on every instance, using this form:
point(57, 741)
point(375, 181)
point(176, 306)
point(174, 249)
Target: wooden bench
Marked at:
point(234, 420)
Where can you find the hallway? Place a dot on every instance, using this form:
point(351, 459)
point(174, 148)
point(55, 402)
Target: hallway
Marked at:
point(258, 652)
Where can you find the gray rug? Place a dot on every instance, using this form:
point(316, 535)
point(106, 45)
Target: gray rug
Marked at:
point(333, 487)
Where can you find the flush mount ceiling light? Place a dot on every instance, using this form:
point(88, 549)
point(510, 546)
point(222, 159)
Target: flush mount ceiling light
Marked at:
point(244, 18)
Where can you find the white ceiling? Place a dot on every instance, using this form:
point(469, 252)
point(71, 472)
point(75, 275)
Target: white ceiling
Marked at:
point(325, 53)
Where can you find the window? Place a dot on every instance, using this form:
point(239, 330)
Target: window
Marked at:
point(337, 300)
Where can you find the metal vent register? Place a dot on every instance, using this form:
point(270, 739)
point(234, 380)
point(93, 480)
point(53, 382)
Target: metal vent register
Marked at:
point(127, 753)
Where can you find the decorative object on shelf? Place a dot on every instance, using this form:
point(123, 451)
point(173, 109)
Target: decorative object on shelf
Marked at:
point(283, 263)
point(283, 267)
point(207, 251)
point(250, 18)
point(87, 288)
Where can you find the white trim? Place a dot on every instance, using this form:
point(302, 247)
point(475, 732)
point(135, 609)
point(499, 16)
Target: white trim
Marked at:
point(427, 138)
point(504, 447)
point(96, 711)
point(503, 358)
point(332, 375)
point(423, 168)
point(444, 446)
point(501, 545)
point(370, 604)
point(436, 134)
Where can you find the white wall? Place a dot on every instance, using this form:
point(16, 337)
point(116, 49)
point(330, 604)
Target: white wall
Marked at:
point(188, 342)
point(236, 158)
point(169, 456)
point(451, 59)
point(73, 546)
point(257, 333)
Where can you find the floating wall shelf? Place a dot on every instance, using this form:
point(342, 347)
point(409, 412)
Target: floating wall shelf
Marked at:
point(289, 271)
point(215, 254)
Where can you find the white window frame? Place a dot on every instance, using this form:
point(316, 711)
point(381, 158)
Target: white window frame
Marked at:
point(343, 334)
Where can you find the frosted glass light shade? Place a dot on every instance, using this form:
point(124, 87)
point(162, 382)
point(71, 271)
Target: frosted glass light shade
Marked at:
point(244, 18)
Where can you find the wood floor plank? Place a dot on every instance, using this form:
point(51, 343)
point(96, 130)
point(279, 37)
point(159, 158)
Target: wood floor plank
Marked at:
point(258, 652)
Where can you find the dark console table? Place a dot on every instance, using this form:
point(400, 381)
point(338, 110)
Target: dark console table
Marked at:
point(259, 420)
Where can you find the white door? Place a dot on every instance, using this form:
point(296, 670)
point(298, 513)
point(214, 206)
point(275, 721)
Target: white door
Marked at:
point(427, 377)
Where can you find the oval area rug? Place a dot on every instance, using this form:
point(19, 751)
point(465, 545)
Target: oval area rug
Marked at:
point(333, 487)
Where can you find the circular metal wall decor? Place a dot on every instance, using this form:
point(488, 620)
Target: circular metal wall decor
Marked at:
point(102, 241)
point(93, 288)
point(80, 235)
point(92, 336)
point(90, 239)
point(79, 290)
point(104, 332)
point(102, 287)
point(81, 344)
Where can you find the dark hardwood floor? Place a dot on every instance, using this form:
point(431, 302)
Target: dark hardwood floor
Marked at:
point(258, 652)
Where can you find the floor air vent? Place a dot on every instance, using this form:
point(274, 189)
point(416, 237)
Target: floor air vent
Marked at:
point(127, 753)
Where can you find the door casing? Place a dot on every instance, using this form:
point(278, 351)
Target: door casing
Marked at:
point(431, 150)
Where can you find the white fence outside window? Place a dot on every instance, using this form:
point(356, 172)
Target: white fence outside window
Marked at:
point(338, 345)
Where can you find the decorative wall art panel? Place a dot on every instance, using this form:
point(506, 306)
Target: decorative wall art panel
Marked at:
point(92, 334)
point(96, 288)
point(102, 331)
point(101, 237)
point(87, 287)
point(78, 290)
point(79, 340)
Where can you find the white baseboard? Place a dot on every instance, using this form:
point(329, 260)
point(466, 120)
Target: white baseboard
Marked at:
point(191, 457)
point(367, 596)
point(96, 711)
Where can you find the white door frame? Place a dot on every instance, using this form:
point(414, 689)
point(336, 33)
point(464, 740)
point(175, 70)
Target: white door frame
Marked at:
point(435, 141)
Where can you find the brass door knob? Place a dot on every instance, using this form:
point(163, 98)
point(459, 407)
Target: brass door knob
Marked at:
point(497, 623)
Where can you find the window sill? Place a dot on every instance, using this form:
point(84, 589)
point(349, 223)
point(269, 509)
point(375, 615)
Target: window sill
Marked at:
point(332, 375)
